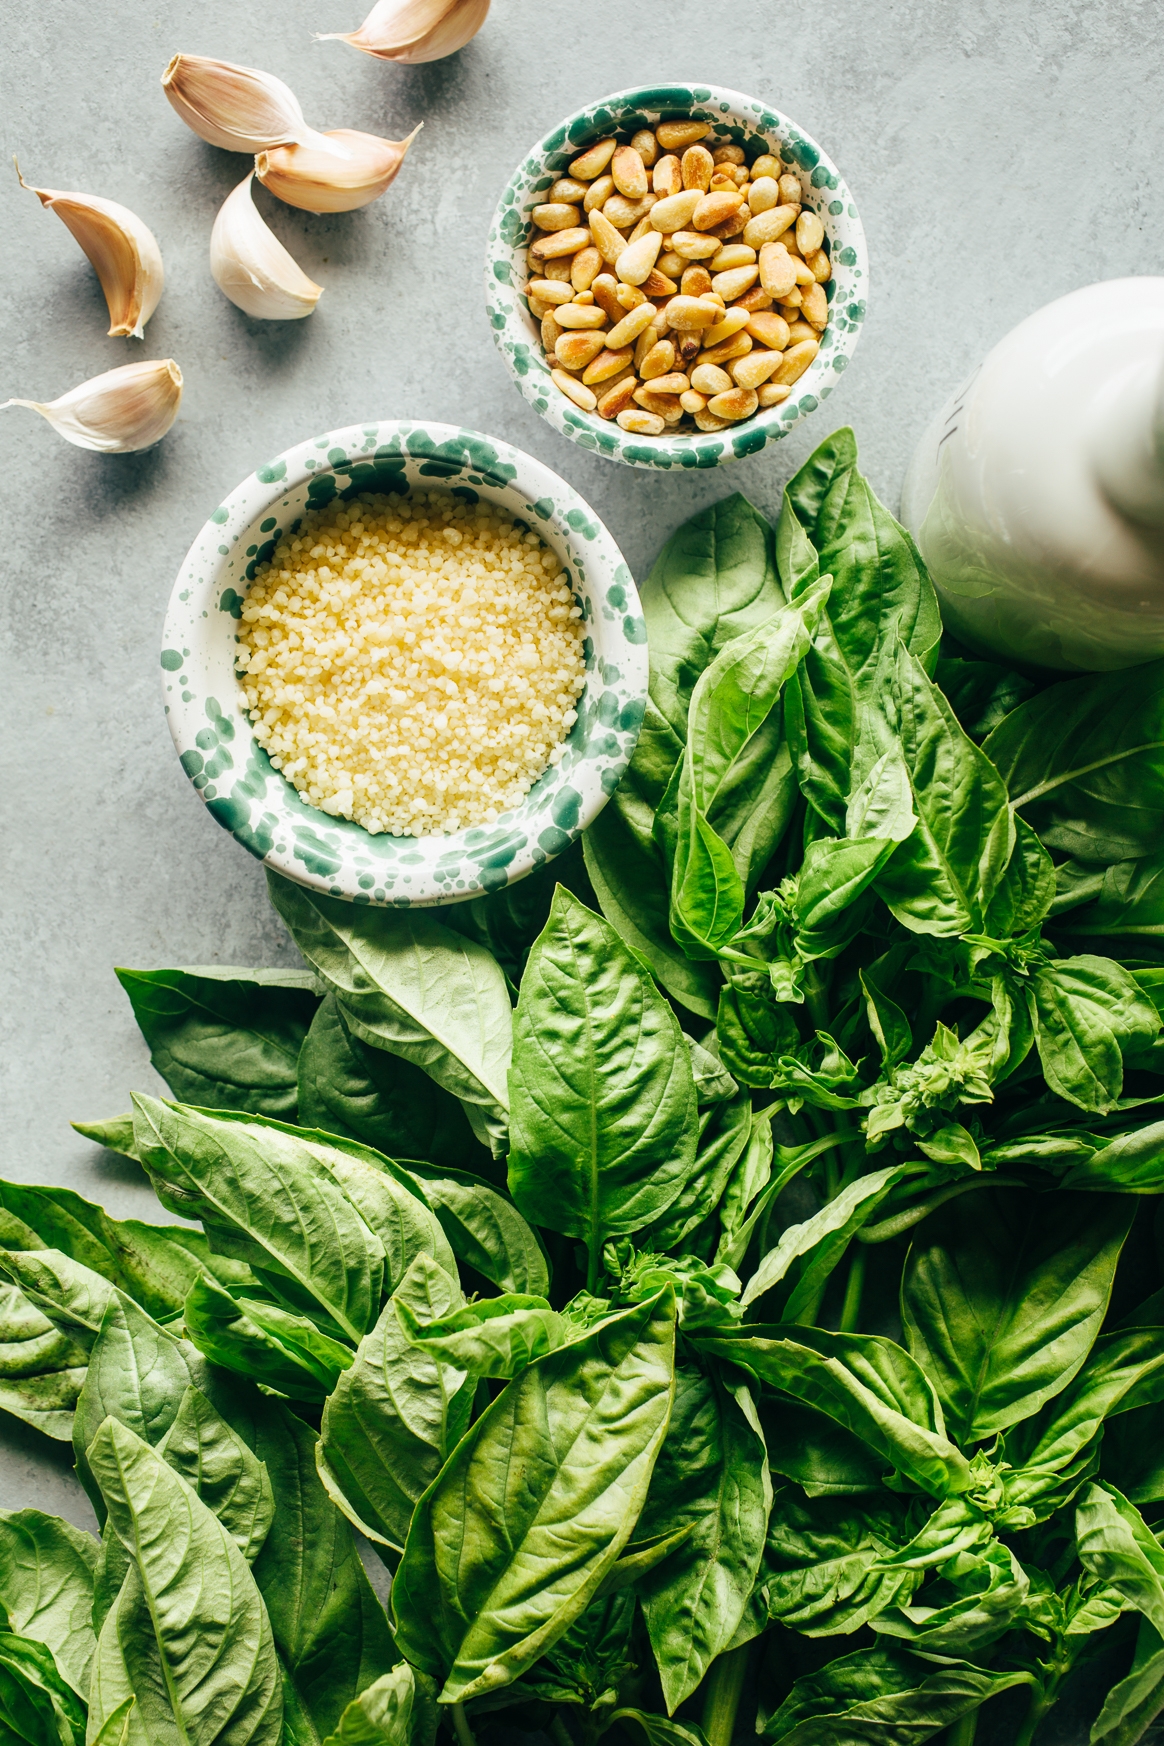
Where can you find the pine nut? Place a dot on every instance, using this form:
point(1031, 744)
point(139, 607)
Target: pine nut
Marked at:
point(580, 315)
point(706, 420)
point(772, 393)
point(815, 305)
point(790, 304)
point(670, 263)
point(737, 403)
point(556, 217)
point(622, 212)
point(713, 209)
point(658, 360)
point(697, 168)
point(738, 346)
point(538, 307)
point(674, 382)
point(674, 213)
point(799, 331)
point(641, 423)
point(689, 347)
point(764, 194)
point(551, 333)
point(735, 282)
point(709, 379)
point(585, 268)
point(599, 194)
point(731, 255)
point(790, 188)
point(667, 176)
point(691, 313)
point(549, 290)
point(647, 146)
point(606, 365)
point(822, 269)
point(617, 397)
point(632, 325)
point(692, 401)
point(767, 226)
point(722, 180)
point(628, 296)
point(796, 361)
point(629, 172)
point(559, 242)
point(733, 321)
point(673, 135)
point(777, 272)
point(574, 390)
point(694, 245)
point(766, 166)
point(749, 372)
point(729, 154)
point(640, 229)
point(768, 329)
point(734, 225)
point(566, 188)
point(809, 233)
point(605, 289)
point(593, 161)
point(666, 405)
point(756, 298)
point(637, 260)
point(657, 284)
point(695, 281)
point(607, 240)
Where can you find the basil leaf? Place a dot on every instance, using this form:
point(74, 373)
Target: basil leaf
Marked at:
point(216, 1463)
point(116, 1135)
point(753, 1027)
point(822, 1457)
point(660, 1730)
point(414, 987)
point(567, 1452)
point(725, 1131)
point(1003, 1297)
point(1129, 1162)
point(42, 1369)
point(484, 1229)
point(806, 1254)
point(1087, 1011)
point(395, 1710)
point(71, 1296)
point(1123, 1371)
point(191, 1627)
point(892, 1697)
point(1026, 890)
point(46, 1587)
point(263, 1342)
point(238, 1177)
point(37, 1708)
point(981, 693)
point(1082, 762)
point(495, 1337)
point(604, 1120)
point(1132, 1705)
point(992, 1594)
point(820, 1571)
point(223, 1038)
point(1128, 904)
point(119, 1724)
point(712, 1474)
point(346, 1087)
point(1116, 1545)
point(394, 1417)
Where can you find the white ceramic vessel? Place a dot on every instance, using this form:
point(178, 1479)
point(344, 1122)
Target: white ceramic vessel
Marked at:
point(1037, 494)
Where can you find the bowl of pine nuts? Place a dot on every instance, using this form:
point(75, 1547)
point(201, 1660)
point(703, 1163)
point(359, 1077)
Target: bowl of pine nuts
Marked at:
point(675, 276)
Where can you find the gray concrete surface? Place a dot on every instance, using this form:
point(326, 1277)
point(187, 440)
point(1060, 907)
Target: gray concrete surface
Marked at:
point(1000, 155)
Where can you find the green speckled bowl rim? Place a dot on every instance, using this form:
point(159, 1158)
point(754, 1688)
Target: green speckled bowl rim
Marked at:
point(736, 118)
point(234, 775)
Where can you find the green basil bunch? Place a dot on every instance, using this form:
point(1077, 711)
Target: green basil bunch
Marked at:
point(717, 1280)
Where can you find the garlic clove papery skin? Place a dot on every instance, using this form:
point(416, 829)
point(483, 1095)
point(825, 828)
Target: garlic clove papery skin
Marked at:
point(123, 250)
point(301, 176)
point(251, 266)
point(238, 108)
point(118, 413)
point(412, 31)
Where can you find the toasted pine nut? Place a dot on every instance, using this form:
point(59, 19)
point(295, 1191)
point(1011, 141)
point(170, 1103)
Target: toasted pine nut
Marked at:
point(674, 382)
point(768, 165)
point(740, 175)
point(566, 188)
point(796, 361)
point(735, 282)
point(670, 263)
point(638, 258)
point(691, 313)
point(697, 168)
point(767, 226)
point(733, 225)
point(641, 423)
point(551, 333)
point(628, 296)
point(538, 307)
point(815, 305)
point(556, 217)
point(728, 154)
point(559, 242)
point(709, 379)
point(632, 325)
point(585, 268)
point(714, 208)
point(647, 146)
point(576, 315)
point(583, 298)
point(629, 172)
point(735, 404)
point(593, 161)
point(641, 229)
point(768, 329)
point(617, 397)
point(722, 180)
point(692, 401)
point(658, 362)
point(622, 212)
point(689, 347)
point(674, 212)
point(809, 232)
point(574, 390)
point(764, 194)
point(694, 245)
point(731, 255)
point(649, 338)
point(550, 290)
point(738, 346)
point(733, 320)
point(788, 238)
point(605, 289)
point(695, 281)
point(667, 176)
point(777, 272)
point(749, 372)
point(756, 298)
point(799, 331)
point(606, 365)
point(599, 193)
point(706, 420)
point(657, 284)
point(792, 300)
point(663, 404)
point(790, 188)
point(558, 271)
point(772, 393)
point(822, 270)
point(673, 135)
point(607, 240)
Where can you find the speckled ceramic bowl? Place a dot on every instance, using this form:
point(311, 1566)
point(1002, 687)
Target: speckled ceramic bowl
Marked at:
point(736, 119)
point(232, 772)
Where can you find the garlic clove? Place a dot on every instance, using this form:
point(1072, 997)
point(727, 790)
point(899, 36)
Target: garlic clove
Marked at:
point(252, 267)
point(117, 413)
point(303, 177)
point(124, 253)
point(415, 30)
point(238, 108)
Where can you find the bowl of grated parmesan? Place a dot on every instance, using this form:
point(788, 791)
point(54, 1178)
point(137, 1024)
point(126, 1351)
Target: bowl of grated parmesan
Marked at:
point(404, 664)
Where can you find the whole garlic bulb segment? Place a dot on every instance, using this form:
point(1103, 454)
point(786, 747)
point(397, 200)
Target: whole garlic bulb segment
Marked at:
point(303, 177)
point(117, 413)
point(124, 253)
point(252, 267)
point(238, 108)
point(415, 30)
